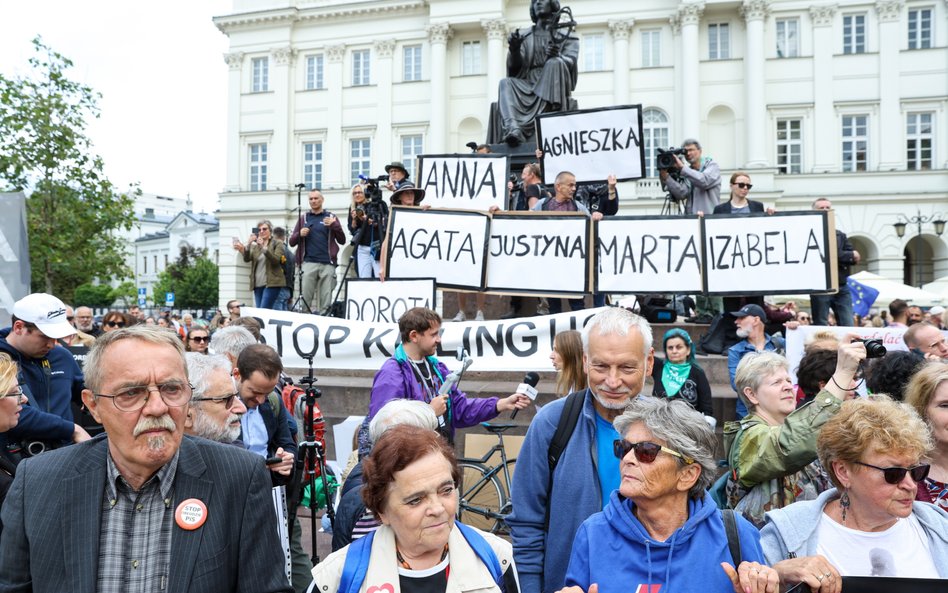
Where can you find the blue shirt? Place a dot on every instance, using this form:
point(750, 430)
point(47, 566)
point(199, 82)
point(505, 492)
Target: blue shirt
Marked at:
point(608, 464)
point(254, 432)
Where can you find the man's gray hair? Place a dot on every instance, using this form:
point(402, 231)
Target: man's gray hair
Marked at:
point(681, 427)
point(690, 142)
point(402, 411)
point(617, 321)
point(201, 367)
point(753, 369)
point(93, 368)
point(231, 340)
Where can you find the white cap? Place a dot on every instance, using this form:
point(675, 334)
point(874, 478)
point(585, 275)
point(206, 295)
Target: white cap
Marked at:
point(937, 310)
point(46, 312)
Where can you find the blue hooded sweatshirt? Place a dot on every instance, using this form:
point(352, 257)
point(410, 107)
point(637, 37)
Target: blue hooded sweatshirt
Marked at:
point(613, 549)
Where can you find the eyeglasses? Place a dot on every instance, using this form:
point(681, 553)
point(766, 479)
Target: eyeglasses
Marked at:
point(199, 338)
point(744, 185)
point(134, 398)
point(115, 323)
point(17, 394)
point(227, 399)
point(894, 475)
point(261, 229)
point(645, 451)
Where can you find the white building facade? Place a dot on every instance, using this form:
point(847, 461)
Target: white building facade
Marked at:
point(843, 99)
point(153, 251)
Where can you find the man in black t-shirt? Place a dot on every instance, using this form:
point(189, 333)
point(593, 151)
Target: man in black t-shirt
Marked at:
point(321, 235)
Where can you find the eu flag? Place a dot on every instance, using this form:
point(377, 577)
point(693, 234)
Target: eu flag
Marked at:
point(863, 296)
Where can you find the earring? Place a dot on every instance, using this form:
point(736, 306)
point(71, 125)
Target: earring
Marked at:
point(844, 503)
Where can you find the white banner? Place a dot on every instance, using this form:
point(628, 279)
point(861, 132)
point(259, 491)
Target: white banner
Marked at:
point(522, 344)
point(649, 255)
point(784, 253)
point(525, 248)
point(470, 181)
point(447, 245)
point(367, 299)
point(592, 143)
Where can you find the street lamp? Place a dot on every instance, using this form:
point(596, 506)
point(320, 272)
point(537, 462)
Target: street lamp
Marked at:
point(919, 220)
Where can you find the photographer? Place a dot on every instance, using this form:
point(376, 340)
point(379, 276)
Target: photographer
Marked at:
point(397, 176)
point(321, 236)
point(369, 218)
point(698, 185)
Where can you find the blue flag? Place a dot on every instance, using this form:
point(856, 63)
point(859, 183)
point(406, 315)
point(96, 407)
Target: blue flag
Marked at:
point(863, 296)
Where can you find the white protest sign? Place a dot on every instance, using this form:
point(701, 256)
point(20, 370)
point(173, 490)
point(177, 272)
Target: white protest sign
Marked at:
point(785, 253)
point(447, 245)
point(522, 344)
point(370, 300)
point(473, 181)
point(648, 254)
point(525, 249)
point(592, 143)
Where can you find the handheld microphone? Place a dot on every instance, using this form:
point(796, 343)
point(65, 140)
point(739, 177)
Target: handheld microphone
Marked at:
point(527, 388)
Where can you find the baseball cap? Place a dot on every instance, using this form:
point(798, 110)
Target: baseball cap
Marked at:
point(46, 312)
point(937, 310)
point(755, 310)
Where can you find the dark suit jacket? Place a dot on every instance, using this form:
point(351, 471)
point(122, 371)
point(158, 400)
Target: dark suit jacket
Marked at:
point(53, 512)
point(725, 207)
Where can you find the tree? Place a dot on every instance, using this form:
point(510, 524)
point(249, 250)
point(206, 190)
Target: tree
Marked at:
point(72, 208)
point(126, 293)
point(192, 278)
point(93, 295)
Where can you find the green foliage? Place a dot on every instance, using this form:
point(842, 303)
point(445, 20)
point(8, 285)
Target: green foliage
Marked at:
point(72, 209)
point(126, 293)
point(93, 295)
point(192, 278)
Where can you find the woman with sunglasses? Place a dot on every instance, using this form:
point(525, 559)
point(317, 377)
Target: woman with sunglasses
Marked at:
point(869, 525)
point(265, 254)
point(771, 452)
point(114, 320)
point(11, 402)
point(927, 392)
point(739, 204)
point(661, 527)
point(198, 339)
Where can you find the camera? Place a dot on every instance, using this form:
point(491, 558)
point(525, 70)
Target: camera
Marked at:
point(517, 183)
point(874, 347)
point(665, 159)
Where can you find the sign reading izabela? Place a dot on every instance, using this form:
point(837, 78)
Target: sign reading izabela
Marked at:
point(469, 181)
point(592, 143)
point(384, 302)
point(525, 247)
point(449, 246)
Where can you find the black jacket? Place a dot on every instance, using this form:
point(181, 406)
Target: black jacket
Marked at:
point(726, 208)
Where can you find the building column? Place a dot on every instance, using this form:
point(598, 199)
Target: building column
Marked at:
point(335, 152)
point(278, 156)
point(620, 70)
point(825, 154)
point(438, 36)
point(496, 31)
point(689, 15)
point(385, 152)
point(234, 64)
point(755, 104)
point(891, 121)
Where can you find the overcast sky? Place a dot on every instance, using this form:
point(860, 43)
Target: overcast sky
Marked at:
point(160, 69)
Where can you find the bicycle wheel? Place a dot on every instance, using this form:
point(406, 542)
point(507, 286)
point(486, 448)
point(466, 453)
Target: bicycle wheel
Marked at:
point(480, 498)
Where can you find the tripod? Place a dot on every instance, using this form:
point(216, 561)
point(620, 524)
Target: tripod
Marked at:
point(329, 310)
point(311, 455)
point(300, 304)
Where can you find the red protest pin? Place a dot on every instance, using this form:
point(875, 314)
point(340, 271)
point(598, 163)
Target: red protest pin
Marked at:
point(190, 514)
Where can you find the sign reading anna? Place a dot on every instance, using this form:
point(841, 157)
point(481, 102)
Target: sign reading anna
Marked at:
point(473, 181)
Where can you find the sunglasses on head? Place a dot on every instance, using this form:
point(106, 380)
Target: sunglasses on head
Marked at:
point(894, 475)
point(645, 452)
point(115, 323)
point(744, 185)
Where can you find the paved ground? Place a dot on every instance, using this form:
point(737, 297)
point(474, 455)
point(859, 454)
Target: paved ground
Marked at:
point(323, 540)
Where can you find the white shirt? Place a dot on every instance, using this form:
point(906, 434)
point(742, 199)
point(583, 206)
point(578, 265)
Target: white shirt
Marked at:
point(902, 550)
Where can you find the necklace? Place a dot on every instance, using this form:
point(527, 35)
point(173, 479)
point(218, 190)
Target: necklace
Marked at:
point(404, 564)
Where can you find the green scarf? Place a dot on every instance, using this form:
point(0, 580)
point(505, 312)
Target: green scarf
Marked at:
point(674, 376)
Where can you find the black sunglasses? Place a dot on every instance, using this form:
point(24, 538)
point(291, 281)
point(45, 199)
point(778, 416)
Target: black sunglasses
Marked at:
point(894, 475)
point(744, 185)
point(645, 452)
point(115, 323)
point(199, 338)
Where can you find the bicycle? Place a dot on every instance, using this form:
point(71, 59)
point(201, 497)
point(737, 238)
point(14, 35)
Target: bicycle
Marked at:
point(484, 498)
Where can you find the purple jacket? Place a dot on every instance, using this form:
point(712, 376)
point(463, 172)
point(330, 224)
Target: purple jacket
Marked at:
point(395, 380)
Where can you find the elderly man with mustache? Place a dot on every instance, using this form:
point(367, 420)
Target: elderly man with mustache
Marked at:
point(142, 507)
point(216, 407)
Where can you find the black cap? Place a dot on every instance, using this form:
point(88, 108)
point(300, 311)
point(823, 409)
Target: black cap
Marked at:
point(755, 310)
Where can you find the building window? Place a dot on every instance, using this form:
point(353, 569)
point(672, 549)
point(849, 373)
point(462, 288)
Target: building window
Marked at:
point(920, 28)
point(470, 58)
point(789, 146)
point(655, 134)
point(258, 167)
point(651, 48)
point(788, 38)
point(719, 41)
point(154, 260)
point(145, 264)
point(854, 33)
point(593, 52)
point(411, 148)
point(314, 72)
point(360, 67)
point(855, 142)
point(166, 261)
point(261, 75)
point(313, 164)
point(919, 140)
point(360, 155)
point(411, 56)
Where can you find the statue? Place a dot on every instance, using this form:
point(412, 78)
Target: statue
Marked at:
point(541, 70)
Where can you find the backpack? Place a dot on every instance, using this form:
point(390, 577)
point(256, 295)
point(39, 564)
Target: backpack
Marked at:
point(721, 335)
